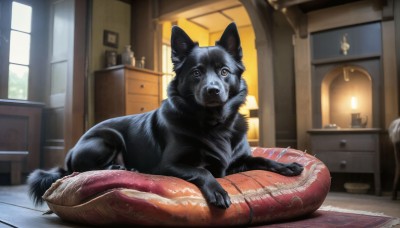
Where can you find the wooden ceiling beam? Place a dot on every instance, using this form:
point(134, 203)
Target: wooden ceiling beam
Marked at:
point(297, 19)
point(281, 4)
point(388, 10)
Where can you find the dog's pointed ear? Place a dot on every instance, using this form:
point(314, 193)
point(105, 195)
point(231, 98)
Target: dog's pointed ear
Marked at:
point(181, 44)
point(230, 40)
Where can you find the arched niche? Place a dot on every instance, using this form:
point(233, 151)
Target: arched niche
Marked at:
point(334, 85)
point(346, 90)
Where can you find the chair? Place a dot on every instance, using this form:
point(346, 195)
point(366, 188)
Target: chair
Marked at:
point(394, 133)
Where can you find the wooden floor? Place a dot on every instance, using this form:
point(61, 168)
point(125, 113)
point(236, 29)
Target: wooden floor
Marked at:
point(16, 209)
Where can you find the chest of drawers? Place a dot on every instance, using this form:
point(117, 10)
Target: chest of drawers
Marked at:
point(125, 90)
point(348, 151)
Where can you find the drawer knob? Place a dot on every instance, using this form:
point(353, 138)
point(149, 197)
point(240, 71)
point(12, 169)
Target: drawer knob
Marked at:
point(343, 164)
point(141, 109)
point(142, 86)
point(343, 142)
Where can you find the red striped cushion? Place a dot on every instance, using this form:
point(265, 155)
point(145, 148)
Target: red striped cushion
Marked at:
point(121, 197)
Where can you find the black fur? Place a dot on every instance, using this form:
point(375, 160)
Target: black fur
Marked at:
point(40, 180)
point(197, 134)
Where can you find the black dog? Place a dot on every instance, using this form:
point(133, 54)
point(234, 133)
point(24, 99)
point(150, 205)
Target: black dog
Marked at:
point(197, 134)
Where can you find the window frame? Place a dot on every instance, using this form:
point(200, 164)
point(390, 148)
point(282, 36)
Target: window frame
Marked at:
point(16, 63)
point(167, 76)
point(38, 39)
point(5, 30)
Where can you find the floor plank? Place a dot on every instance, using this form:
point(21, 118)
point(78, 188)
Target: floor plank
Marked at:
point(25, 217)
point(17, 210)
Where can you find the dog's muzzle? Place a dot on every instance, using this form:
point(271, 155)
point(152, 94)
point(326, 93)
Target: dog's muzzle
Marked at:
point(213, 90)
point(213, 95)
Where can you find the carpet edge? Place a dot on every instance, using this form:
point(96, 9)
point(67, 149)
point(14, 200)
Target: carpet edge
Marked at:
point(344, 210)
point(391, 223)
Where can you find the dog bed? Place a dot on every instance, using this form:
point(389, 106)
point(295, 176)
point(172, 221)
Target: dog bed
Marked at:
point(108, 197)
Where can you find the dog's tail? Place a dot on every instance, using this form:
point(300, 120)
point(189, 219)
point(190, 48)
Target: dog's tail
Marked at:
point(41, 180)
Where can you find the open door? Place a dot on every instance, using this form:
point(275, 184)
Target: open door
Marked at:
point(65, 79)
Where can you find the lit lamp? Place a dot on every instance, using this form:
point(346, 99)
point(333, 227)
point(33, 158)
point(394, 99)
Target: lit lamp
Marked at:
point(252, 107)
point(354, 103)
point(356, 120)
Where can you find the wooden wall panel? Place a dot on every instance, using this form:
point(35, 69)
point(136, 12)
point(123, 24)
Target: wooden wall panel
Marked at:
point(343, 15)
point(390, 68)
point(302, 63)
point(53, 145)
point(20, 130)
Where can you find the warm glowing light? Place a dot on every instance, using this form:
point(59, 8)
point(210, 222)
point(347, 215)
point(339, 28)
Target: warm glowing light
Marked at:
point(354, 103)
point(251, 102)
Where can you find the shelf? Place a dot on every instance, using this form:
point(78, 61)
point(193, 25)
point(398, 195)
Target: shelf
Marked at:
point(344, 130)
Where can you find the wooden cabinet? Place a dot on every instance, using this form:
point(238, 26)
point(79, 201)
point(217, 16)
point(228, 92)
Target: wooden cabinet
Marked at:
point(348, 151)
point(125, 90)
point(20, 133)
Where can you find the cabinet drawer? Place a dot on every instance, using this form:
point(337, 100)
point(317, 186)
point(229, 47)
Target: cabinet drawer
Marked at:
point(344, 142)
point(141, 87)
point(351, 162)
point(138, 104)
point(138, 75)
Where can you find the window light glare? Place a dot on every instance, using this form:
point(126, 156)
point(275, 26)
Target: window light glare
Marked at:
point(21, 17)
point(19, 47)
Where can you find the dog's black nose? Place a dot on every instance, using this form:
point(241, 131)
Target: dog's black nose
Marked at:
point(213, 90)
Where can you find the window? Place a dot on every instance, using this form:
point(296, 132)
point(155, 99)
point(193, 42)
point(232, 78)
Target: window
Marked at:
point(20, 42)
point(167, 69)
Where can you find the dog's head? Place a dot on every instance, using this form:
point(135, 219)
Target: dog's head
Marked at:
point(208, 75)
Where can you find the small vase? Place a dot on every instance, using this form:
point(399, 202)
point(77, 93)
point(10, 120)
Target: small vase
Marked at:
point(127, 56)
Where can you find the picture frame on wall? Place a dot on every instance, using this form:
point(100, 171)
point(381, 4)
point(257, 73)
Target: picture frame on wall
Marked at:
point(110, 39)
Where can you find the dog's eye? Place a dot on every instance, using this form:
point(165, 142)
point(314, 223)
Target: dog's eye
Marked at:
point(196, 73)
point(224, 72)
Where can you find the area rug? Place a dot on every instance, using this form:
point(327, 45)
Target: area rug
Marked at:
point(330, 217)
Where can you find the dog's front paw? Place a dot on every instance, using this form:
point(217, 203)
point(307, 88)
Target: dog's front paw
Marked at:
point(216, 195)
point(291, 169)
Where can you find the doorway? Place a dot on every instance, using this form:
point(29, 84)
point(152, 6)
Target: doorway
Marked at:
point(205, 25)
